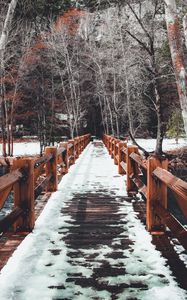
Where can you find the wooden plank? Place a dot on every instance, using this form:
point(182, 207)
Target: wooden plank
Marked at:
point(42, 160)
point(6, 250)
point(117, 157)
point(60, 150)
point(38, 171)
point(124, 150)
point(176, 184)
point(4, 195)
point(51, 169)
point(40, 188)
point(172, 223)
point(66, 155)
point(121, 157)
point(142, 188)
point(9, 179)
point(24, 194)
point(139, 159)
point(156, 191)
point(73, 150)
point(182, 204)
point(132, 167)
point(116, 142)
point(10, 219)
point(124, 166)
point(70, 146)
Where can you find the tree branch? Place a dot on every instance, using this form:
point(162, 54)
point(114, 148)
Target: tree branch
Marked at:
point(146, 153)
point(139, 42)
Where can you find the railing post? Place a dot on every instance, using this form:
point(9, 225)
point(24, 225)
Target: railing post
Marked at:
point(24, 194)
point(132, 169)
point(82, 138)
point(51, 168)
point(87, 140)
point(121, 157)
point(116, 143)
point(156, 193)
point(65, 145)
point(105, 140)
point(108, 142)
point(76, 148)
point(112, 147)
point(72, 151)
point(84, 141)
point(79, 145)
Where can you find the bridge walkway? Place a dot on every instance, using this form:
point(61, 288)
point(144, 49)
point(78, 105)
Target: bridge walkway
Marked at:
point(88, 243)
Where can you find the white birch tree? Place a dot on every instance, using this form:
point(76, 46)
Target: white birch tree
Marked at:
point(185, 29)
point(175, 44)
point(3, 43)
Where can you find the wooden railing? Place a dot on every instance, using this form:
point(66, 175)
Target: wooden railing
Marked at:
point(151, 178)
point(31, 176)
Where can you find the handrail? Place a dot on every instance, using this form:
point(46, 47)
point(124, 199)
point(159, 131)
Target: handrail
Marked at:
point(154, 186)
point(30, 176)
point(176, 184)
point(9, 179)
point(60, 150)
point(40, 188)
point(42, 160)
point(138, 159)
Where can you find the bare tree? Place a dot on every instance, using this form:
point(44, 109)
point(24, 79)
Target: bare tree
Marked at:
point(7, 26)
point(175, 43)
point(66, 52)
point(148, 45)
point(3, 43)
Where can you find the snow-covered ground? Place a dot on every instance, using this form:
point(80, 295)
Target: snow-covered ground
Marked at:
point(31, 148)
point(168, 144)
point(25, 148)
point(33, 268)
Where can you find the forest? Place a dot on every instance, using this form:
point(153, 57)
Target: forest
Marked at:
point(93, 149)
point(73, 67)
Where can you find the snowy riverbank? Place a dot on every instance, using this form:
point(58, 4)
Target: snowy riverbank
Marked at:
point(31, 148)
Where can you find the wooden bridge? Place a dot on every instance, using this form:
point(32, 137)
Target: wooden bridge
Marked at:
point(96, 238)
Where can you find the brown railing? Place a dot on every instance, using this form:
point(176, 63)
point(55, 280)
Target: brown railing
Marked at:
point(151, 178)
point(31, 176)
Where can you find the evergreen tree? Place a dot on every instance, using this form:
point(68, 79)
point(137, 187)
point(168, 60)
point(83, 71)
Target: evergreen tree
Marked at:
point(175, 125)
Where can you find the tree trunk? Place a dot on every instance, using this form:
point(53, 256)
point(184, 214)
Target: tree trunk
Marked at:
point(185, 29)
point(7, 25)
point(51, 130)
point(175, 43)
point(130, 117)
point(102, 115)
point(160, 136)
point(117, 125)
point(111, 117)
point(3, 43)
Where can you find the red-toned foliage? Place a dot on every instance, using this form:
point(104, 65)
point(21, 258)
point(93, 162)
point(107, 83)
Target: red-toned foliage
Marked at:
point(70, 20)
point(12, 96)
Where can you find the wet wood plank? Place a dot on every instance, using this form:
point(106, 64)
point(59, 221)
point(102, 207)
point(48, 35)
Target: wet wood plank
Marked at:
point(178, 186)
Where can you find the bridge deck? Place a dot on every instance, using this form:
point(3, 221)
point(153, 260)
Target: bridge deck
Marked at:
point(88, 243)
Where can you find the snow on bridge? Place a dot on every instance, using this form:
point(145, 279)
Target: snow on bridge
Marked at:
point(88, 243)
